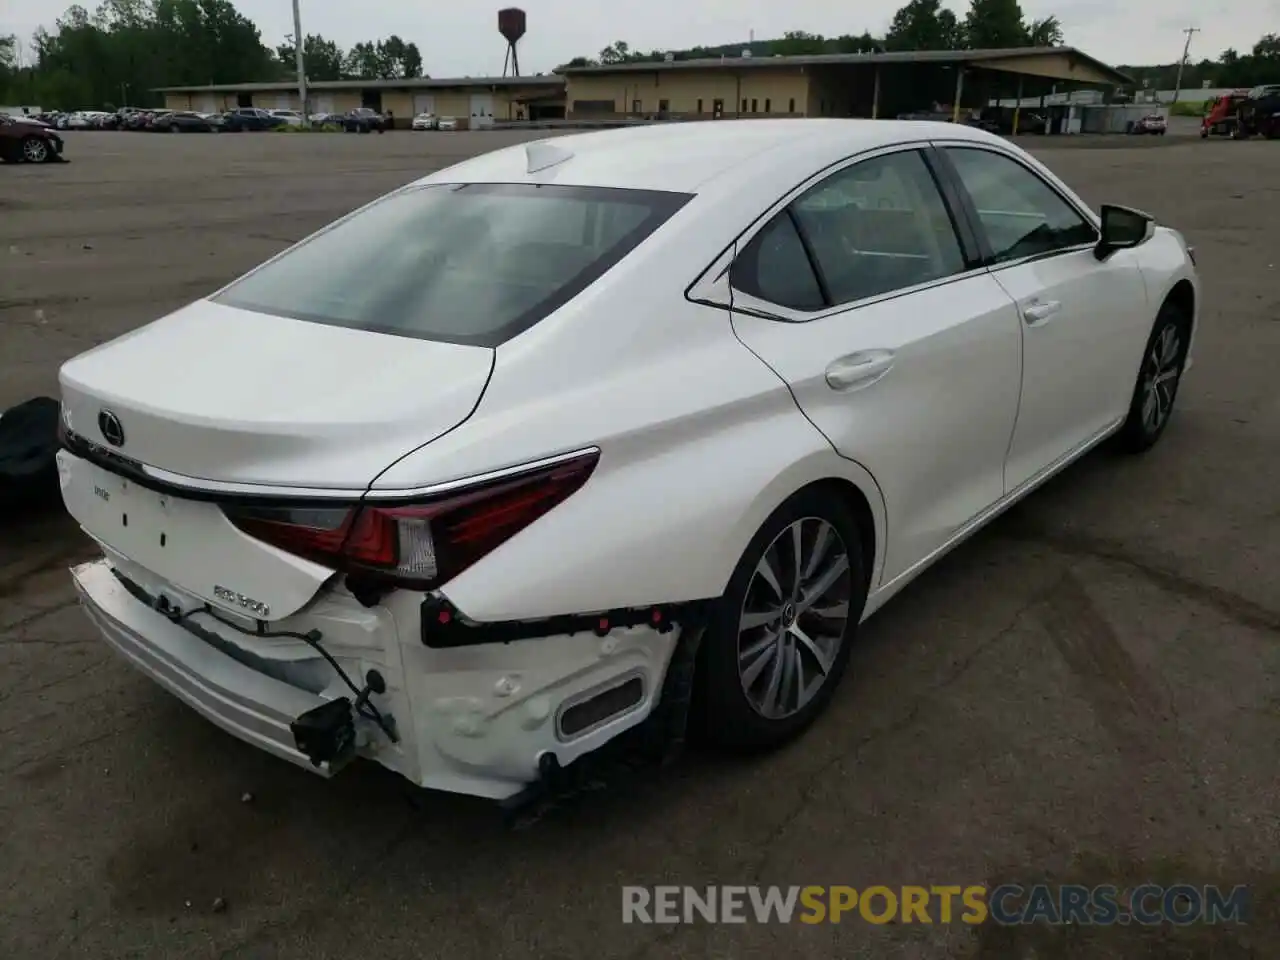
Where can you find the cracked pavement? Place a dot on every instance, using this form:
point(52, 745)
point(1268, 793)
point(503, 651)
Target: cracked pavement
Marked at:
point(1086, 691)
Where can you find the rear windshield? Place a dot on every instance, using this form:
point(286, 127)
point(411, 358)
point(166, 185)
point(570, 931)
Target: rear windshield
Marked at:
point(462, 263)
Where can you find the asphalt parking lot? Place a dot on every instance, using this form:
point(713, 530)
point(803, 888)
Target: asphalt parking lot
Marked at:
point(1088, 691)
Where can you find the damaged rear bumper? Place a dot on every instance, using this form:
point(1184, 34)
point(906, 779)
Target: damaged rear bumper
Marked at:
point(247, 704)
point(478, 716)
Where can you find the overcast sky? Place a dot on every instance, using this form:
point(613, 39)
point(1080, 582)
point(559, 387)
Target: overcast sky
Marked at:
point(460, 37)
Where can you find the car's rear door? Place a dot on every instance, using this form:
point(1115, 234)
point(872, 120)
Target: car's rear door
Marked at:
point(865, 294)
point(1084, 321)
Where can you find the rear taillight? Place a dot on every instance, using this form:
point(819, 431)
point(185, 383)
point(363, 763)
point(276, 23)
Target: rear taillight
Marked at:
point(415, 545)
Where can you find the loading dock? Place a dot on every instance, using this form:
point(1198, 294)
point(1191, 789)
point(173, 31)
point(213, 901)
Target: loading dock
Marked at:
point(828, 85)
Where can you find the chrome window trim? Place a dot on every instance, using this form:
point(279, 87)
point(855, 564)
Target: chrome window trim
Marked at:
point(743, 303)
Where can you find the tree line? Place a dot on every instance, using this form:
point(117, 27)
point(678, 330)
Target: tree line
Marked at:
point(988, 25)
point(118, 54)
point(920, 25)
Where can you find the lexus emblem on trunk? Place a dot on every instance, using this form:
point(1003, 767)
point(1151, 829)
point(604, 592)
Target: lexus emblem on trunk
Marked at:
point(111, 428)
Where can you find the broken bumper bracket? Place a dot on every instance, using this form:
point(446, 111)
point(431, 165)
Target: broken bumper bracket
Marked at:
point(444, 626)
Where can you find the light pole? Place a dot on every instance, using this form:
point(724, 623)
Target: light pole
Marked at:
point(298, 41)
point(1177, 83)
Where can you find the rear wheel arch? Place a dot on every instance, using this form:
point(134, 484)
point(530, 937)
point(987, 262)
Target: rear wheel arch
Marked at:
point(715, 714)
point(856, 500)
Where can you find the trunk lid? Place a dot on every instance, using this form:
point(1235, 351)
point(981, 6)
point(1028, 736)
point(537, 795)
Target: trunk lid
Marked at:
point(216, 393)
point(189, 550)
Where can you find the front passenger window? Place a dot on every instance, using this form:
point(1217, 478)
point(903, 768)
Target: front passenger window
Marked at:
point(1021, 215)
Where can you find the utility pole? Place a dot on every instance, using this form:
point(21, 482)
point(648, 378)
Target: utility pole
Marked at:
point(298, 41)
point(1177, 84)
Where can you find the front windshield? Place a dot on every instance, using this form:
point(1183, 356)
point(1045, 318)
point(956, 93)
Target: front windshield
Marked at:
point(462, 263)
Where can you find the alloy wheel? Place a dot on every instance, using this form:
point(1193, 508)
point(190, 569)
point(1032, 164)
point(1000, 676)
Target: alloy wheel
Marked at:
point(1160, 372)
point(794, 618)
point(36, 151)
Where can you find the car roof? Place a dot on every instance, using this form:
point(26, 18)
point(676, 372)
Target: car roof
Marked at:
point(682, 156)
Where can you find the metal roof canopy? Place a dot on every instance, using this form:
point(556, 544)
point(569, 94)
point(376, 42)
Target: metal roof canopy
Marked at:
point(1071, 63)
point(416, 83)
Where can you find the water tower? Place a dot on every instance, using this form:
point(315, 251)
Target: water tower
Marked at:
point(511, 24)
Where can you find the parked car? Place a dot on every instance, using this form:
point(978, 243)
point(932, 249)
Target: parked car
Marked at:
point(425, 121)
point(1259, 113)
point(250, 118)
point(501, 542)
point(447, 123)
point(364, 120)
point(328, 119)
point(30, 140)
point(138, 120)
point(1152, 123)
point(188, 121)
point(289, 118)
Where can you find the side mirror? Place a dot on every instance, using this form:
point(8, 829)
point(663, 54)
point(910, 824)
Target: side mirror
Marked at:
point(1123, 228)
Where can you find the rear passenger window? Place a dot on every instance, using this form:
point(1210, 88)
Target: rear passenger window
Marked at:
point(775, 268)
point(878, 226)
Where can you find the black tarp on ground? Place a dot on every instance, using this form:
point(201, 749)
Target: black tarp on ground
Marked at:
point(28, 447)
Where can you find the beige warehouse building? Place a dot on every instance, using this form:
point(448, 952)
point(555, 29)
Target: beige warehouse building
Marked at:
point(831, 85)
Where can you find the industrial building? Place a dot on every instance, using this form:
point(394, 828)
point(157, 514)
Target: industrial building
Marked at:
point(480, 101)
point(828, 85)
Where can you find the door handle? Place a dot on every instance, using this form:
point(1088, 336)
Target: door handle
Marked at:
point(1040, 311)
point(858, 370)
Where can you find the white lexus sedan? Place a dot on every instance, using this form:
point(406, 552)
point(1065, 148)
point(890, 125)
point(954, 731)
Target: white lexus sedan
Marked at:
point(634, 429)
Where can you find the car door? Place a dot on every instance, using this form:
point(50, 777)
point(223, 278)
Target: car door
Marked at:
point(865, 294)
point(1083, 320)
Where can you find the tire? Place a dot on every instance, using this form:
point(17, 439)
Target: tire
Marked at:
point(1164, 356)
point(174, 128)
point(34, 150)
point(732, 700)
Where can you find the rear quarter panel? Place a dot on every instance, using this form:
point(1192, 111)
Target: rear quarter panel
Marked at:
point(699, 441)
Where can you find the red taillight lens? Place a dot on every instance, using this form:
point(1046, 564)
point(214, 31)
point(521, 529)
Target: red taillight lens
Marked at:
point(415, 545)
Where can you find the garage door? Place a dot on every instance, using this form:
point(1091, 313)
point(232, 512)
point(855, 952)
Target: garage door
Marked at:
point(424, 103)
point(322, 103)
point(481, 110)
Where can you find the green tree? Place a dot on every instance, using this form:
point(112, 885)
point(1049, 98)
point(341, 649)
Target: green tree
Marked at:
point(994, 24)
point(848, 43)
point(798, 43)
point(1045, 33)
point(923, 25)
point(322, 59)
point(617, 52)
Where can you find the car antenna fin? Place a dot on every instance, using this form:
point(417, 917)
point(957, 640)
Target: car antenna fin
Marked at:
point(541, 155)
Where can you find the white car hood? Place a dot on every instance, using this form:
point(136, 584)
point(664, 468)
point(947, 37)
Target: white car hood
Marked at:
point(217, 393)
